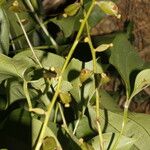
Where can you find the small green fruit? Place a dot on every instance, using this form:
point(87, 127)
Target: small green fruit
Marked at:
point(72, 9)
point(85, 74)
point(65, 98)
point(109, 8)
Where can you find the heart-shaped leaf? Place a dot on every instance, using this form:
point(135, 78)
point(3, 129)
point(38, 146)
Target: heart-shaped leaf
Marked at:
point(142, 81)
point(124, 58)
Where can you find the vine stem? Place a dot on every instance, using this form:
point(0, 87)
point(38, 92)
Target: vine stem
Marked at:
point(56, 113)
point(55, 45)
point(41, 136)
point(125, 117)
point(66, 127)
point(88, 39)
point(28, 41)
point(26, 92)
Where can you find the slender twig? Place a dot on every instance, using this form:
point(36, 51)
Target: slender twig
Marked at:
point(42, 26)
point(79, 118)
point(66, 127)
point(26, 92)
point(62, 115)
point(56, 113)
point(12, 43)
point(14, 39)
point(41, 136)
point(96, 88)
point(76, 125)
point(73, 137)
point(28, 41)
point(125, 117)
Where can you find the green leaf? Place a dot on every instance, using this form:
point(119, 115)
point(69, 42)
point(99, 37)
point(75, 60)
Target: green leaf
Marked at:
point(139, 129)
point(12, 68)
point(48, 60)
point(96, 15)
point(142, 81)
point(125, 143)
point(4, 32)
point(66, 86)
point(71, 24)
point(16, 33)
point(84, 129)
point(16, 129)
point(108, 102)
point(72, 74)
point(15, 91)
point(137, 126)
point(39, 84)
point(67, 25)
point(27, 130)
point(36, 126)
point(125, 59)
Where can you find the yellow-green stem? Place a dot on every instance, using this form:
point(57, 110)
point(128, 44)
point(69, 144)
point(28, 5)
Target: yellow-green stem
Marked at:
point(41, 136)
point(66, 127)
point(26, 92)
point(100, 135)
point(28, 41)
point(96, 88)
point(62, 115)
point(125, 117)
point(56, 113)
